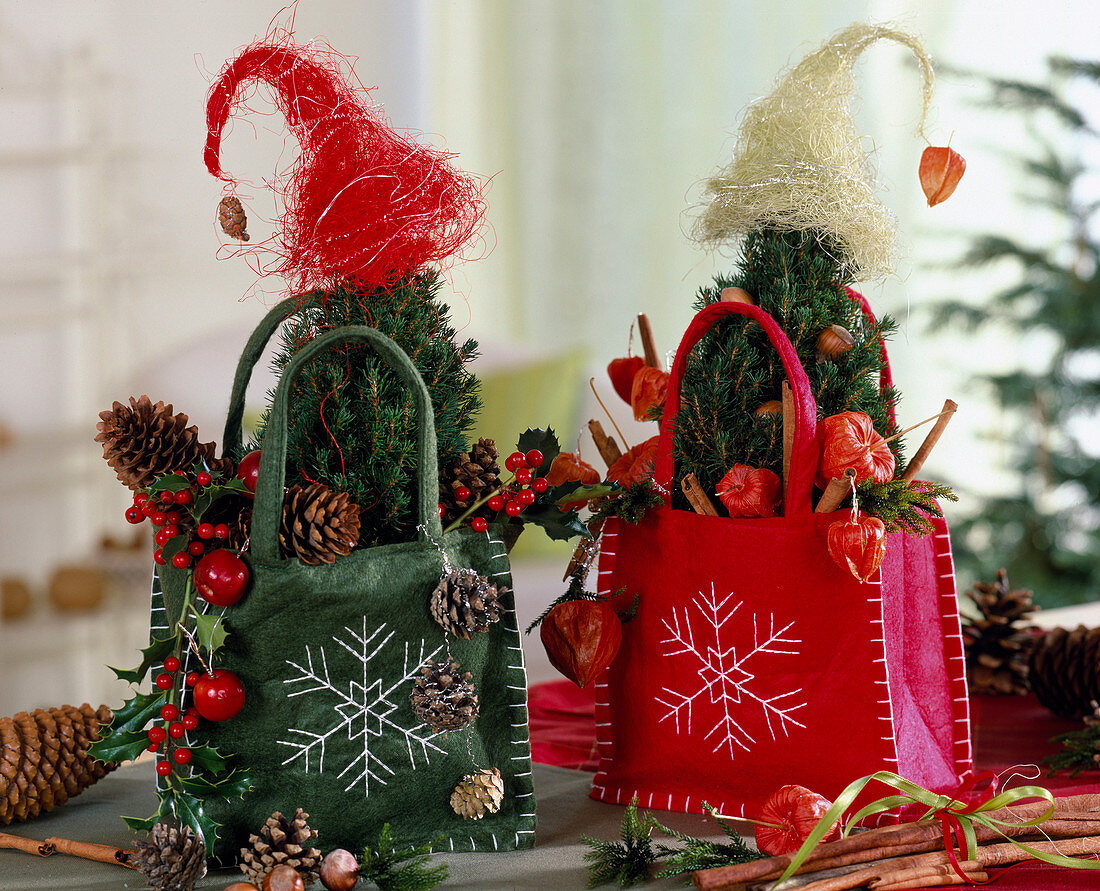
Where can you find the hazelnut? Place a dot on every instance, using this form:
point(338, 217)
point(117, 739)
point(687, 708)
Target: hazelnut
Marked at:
point(339, 870)
point(283, 878)
point(242, 886)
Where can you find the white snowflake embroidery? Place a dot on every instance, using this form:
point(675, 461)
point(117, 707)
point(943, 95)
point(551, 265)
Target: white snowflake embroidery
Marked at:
point(728, 680)
point(366, 709)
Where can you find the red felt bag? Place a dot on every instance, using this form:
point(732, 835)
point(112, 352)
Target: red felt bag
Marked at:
point(755, 661)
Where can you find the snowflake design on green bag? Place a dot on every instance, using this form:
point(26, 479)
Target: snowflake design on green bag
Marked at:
point(363, 711)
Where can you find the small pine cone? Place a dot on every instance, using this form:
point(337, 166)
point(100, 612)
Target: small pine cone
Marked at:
point(476, 470)
point(1065, 670)
point(142, 442)
point(465, 603)
point(44, 759)
point(235, 511)
point(282, 842)
point(171, 859)
point(997, 643)
point(478, 794)
point(232, 218)
point(318, 524)
point(444, 699)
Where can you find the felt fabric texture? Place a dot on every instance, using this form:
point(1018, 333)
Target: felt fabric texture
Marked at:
point(755, 661)
point(327, 655)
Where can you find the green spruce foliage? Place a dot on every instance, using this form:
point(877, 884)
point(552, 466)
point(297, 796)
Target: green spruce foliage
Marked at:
point(400, 869)
point(1046, 530)
point(352, 424)
point(734, 370)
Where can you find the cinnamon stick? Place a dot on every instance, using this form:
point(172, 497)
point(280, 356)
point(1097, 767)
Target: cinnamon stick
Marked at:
point(609, 450)
point(700, 501)
point(1005, 854)
point(92, 851)
point(836, 492)
point(26, 845)
point(917, 878)
point(648, 345)
point(906, 866)
point(788, 430)
point(585, 551)
point(941, 881)
point(917, 462)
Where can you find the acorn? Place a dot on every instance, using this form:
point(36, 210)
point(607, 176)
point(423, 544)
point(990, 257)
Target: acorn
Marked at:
point(339, 870)
point(283, 878)
point(834, 342)
point(769, 408)
point(737, 295)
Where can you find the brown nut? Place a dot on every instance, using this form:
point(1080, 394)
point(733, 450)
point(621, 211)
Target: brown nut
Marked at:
point(834, 342)
point(339, 870)
point(242, 886)
point(283, 878)
point(769, 408)
point(737, 295)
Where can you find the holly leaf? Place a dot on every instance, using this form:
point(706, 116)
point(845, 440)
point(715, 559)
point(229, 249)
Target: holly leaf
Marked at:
point(559, 525)
point(233, 785)
point(152, 655)
point(170, 482)
point(142, 824)
point(214, 492)
point(191, 811)
point(210, 631)
point(135, 713)
point(209, 759)
point(567, 494)
point(545, 441)
point(125, 745)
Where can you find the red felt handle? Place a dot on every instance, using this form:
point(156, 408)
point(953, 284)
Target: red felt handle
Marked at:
point(885, 378)
point(804, 453)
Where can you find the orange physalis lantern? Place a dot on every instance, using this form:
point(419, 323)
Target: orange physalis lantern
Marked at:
point(568, 467)
point(941, 168)
point(622, 372)
point(858, 545)
point(749, 491)
point(648, 391)
point(635, 465)
point(581, 638)
point(849, 439)
point(793, 812)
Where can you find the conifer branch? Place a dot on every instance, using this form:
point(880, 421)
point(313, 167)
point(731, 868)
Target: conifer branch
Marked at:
point(381, 864)
point(902, 506)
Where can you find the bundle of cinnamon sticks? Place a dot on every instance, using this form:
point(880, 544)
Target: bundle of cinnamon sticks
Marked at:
point(912, 855)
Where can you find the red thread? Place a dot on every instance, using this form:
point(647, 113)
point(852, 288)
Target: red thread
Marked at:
point(362, 204)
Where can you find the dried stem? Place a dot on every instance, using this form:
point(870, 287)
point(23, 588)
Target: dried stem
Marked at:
point(592, 386)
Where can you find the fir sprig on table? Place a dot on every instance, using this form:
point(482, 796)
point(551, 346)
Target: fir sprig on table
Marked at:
point(382, 865)
point(1080, 748)
point(698, 853)
point(902, 506)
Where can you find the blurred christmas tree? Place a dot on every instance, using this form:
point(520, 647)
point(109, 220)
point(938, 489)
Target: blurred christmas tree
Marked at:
point(1047, 531)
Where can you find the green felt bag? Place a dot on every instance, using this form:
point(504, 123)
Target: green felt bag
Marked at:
point(327, 655)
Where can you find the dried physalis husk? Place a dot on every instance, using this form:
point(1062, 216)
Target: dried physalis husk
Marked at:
point(941, 168)
point(232, 218)
point(737, 295)
point(769, 408)
point(834, 342)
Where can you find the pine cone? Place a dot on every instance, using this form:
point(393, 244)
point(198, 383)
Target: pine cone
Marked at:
point(235, 511)
point(143, 442)
point(232, 218)
point(44, 759)
point(318, 524)
point(1065, 670)
point(476, 470)
point(997, 644)
point(478, 794)
point(282, 842)
point(466, 603)
point(442, 698)
point(171, 859)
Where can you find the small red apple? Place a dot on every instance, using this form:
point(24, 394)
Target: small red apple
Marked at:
point(249, 469)
point(219, 695)
point(221, 577)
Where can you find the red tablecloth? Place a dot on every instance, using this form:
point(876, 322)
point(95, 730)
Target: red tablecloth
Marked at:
point(1008, 732)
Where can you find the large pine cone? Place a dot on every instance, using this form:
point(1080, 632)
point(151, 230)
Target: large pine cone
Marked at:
point(142, 442)
point(318, 524)
point(44, 759)
point(476, 470)
point(997, 643)
point(466, 603)
point(443, 698)
point(478, 794)
point(1065, 670)
point(171, 859)
point(282, 842)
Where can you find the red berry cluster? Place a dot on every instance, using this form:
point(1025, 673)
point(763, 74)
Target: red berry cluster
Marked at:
point(516, 494)
point(168, 512)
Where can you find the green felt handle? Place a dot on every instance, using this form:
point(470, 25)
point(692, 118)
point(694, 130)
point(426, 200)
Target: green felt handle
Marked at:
point(269, 485)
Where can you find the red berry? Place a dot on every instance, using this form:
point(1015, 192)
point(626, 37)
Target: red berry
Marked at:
point(540, 484)
point(157, 734)
point(524, 476)
point(219, 695)
point(140, 498)
point(175, 730)
point(513, 508)
point(172, 664)
point(496, 503)
point(171, 530)
point(161, 538)
point(164, 681)
point(149, 507)
point(134, 515)
point(182, 560)
point(534, 459)
point(191, 679)
point(166, 497)
point(170, 712)
point(221, 532)
point(249, 469)
point(158, 557)
point(173, 517)
point(159, 518)
point(221, 577)
point(479, 524)
point(526, 498)
point(192, 710)
point(442, 511)
point(462, 494)
point(203, 478)
point(190, 722)
point(184, 496)
point(205, 531)
point(181, 755)
point(153, 747)
point(164, 768)
point(515, 460)
point(196, 549)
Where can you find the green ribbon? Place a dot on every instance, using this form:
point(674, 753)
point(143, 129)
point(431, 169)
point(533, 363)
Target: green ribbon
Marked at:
point(948, 808)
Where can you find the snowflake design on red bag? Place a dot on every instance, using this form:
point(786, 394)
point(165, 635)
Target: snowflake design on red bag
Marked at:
point(727, 663)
